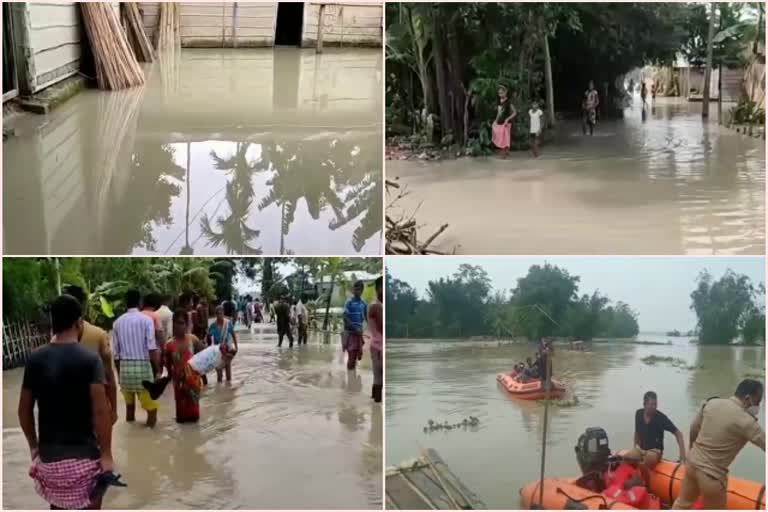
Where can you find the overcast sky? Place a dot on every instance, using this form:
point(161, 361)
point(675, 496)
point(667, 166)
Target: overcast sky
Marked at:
point(658, 289)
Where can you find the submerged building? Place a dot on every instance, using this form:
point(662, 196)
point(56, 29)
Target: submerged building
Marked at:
point(45, 43)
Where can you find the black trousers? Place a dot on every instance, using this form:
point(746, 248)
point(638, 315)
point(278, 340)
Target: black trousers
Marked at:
point(283, 331)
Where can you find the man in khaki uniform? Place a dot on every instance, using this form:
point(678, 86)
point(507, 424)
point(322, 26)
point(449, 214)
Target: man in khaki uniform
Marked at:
point(718, 433)
point(96, 339)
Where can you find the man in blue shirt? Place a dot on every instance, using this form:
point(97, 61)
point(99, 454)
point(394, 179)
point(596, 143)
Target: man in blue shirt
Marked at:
point(355, 313)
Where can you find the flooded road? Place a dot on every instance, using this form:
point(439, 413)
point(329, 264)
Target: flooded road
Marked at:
point(666, 184)
point(292, 419)
point(222, 151)
point(451, 380)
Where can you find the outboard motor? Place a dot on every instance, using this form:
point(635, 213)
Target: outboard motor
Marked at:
point(592, 450)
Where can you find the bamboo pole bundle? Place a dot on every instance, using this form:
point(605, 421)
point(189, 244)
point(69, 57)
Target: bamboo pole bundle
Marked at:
point(134, 27)
point(116, 66)
point(168, 34)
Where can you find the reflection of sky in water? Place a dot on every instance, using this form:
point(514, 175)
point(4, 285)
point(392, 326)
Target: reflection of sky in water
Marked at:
point(207, 195)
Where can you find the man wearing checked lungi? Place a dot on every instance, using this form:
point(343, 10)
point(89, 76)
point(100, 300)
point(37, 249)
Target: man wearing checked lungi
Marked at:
point(137, 358)
point(70, 445)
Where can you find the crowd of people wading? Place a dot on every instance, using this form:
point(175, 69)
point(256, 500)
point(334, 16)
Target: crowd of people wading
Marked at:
point(72, 379)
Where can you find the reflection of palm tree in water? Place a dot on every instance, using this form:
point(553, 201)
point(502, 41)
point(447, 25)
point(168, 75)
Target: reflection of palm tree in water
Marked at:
point(234, 233)
point(145, 198)
point(366, 200)
point(296, 177)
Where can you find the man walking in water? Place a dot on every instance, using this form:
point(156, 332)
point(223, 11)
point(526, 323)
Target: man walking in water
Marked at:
point(718, 433)
point(66, 381)
point(283, 316)
point(650, 425)
point(355, 313)
point(376, 327)
point(137, 358)
point(96, 339)
point(302, 316)
point(589, 106)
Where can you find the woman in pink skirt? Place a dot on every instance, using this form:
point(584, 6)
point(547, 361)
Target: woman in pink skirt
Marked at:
point(501, 131)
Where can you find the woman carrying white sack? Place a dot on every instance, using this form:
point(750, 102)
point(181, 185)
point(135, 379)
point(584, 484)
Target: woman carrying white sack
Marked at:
point(217, 356)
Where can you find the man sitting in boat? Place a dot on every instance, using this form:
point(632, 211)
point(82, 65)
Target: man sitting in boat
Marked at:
point(530, 372)
point(650, 425)
point(517, 371)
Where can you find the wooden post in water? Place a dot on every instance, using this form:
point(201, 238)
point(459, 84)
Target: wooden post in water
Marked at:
point(234, 25)
point(547, 388)
point(320, 18)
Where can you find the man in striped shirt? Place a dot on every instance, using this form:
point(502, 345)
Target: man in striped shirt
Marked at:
point(137, 357)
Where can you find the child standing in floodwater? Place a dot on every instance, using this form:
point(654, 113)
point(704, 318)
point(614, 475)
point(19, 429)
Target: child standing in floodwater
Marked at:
point(535, 114)
point(187, 383)
point(501, 130)
point(355, 313)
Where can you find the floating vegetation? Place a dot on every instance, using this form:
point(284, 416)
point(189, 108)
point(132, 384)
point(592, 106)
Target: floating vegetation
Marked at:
point(564, 402)
point(434, 426)
point(675, 362)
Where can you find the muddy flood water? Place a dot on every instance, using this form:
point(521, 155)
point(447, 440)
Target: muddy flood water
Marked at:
point(222, 151)
point(450, 380)
point(666, 184)
point(294, 430)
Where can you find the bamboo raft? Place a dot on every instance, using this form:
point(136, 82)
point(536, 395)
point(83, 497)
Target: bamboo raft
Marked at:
point(427, 484)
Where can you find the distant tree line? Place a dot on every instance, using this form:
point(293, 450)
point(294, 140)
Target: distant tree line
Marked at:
point(544, 303)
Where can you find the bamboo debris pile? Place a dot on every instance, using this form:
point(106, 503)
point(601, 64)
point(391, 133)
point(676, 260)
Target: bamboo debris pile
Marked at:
point(116, 66)
point(137, 38)
point(168, 35)
point(401, 234)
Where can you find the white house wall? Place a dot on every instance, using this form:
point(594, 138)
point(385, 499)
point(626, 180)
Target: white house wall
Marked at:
point(55, 39)
point(344, 24)
point(212, 24)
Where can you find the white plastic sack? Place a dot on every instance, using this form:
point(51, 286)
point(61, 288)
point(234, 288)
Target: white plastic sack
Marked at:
point(207, 360)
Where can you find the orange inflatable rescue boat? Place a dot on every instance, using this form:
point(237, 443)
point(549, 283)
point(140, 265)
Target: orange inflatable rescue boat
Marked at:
point(531, 390)
point(610, 482)
point(667, 478)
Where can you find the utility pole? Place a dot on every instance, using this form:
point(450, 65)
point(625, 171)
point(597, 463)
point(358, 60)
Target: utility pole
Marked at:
point(708, 69)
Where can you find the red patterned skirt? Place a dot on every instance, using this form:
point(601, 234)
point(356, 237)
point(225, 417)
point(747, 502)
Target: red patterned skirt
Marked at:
point(67, 483)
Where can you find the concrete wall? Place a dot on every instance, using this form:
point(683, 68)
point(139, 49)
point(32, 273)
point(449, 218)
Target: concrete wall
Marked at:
point(55, 37)
point(344, 24)
point(732, 82)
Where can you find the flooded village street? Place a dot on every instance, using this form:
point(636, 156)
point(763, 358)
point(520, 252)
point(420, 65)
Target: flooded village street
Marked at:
point(448, 380)
point(666, 184)
point(240, 151)
point(291, 419)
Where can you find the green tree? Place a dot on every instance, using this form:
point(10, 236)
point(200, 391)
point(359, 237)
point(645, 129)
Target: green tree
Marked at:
point(722, 306)
point(550, 288)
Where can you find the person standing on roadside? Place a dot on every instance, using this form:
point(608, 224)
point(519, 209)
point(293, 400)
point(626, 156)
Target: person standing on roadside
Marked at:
point(137, 358)
point(67, 383)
